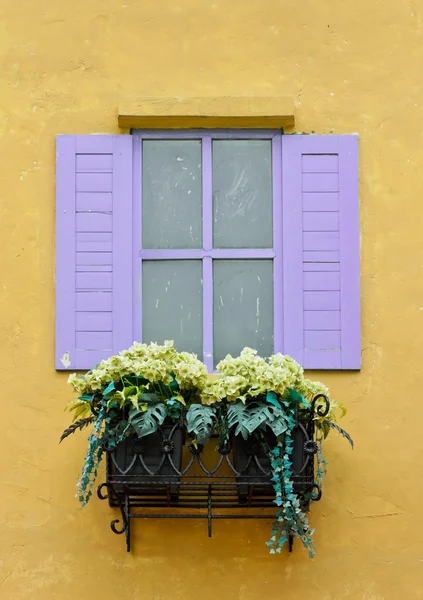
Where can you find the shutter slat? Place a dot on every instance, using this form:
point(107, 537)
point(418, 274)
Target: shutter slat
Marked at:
point(320, 281)
point(321, 251)
point(321, 240)
point(94, 213)
point(317, 320)
point(94, 182)
point(322, 300)
point(94, 222)
point(94, 321)
point(94, 258)
point(321, 257)
point(322, 359)
point(94, 340)
point(320, 221)
point(320, 163)
point(94, 301)
point(319, 266)
point(325, 340)
point(95, 201)
point(94, 281)
point(320, 182)
point(94, 162)
point(321, 201)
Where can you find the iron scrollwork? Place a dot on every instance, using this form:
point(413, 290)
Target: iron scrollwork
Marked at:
point(168, 471)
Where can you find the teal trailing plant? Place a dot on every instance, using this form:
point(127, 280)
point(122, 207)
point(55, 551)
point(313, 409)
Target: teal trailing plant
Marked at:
point(253, 399)
point(132, 393)
point(254, 396)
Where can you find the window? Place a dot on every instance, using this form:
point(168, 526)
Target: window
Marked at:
point(210, 241)
point(216, 239)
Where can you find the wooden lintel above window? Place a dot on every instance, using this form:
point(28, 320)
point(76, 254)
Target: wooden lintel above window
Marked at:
point(207, 112)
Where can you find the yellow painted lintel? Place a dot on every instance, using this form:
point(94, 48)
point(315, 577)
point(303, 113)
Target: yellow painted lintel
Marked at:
point(207, 112)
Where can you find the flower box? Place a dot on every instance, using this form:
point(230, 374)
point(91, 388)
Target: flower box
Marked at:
point(255, 439)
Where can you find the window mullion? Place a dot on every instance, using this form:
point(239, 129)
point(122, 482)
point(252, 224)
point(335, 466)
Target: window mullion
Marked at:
point(208, 312)
point(207, 246)
point(207, 194)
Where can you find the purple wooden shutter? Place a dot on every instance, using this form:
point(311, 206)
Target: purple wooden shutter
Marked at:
point(321, 251)
point(93, 248)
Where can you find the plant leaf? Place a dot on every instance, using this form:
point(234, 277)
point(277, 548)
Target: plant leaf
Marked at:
point(173, 384)
point(297, 397)
point(246, 419)
point(149, 397)
point(134, 400)
point(237, 417)
point(272, 398)
point(75, 426)
point(109, 388)
point(81, 410)
point(339, 430)
point(147, 421)
point(200, 422)
point(135, 380)
point(179, 398)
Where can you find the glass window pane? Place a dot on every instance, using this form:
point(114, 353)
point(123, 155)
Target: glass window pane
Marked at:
point(242, 306)
point(242, 194)
point(171, 194)
point(172, 303)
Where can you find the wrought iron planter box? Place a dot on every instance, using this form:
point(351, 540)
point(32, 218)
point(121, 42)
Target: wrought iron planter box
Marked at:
point(165, 470)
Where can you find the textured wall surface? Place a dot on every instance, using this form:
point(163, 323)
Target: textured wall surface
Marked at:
point(350, 67)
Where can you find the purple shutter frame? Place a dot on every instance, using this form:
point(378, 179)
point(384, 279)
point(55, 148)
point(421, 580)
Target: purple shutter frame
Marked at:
point(321, 251)
point(93, 248)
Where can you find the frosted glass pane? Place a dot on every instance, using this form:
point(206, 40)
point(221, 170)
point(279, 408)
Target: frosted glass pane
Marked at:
point(171, 194)
point(242, 194)
point(172, 307)
point(243, 306)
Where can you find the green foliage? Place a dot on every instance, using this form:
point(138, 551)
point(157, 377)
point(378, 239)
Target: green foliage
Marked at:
point(139, 388)
point(291, 520)
point(331, 425)
point(298, 398)
point(201, 422)
point(147, 419)
point(104, 435)
point(75, 426)
point(272, 398)
point(246, 419)
point(174, 407)
point(159, 367)
point(80, 407)
point(92, 459)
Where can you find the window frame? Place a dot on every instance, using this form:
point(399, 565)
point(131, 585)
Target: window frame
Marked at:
point(207, 253)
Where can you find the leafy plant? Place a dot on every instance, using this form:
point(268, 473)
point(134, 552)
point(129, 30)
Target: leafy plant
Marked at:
point(344, 434)
point(245, 419)
point(147, 419)
point(200, 422)
point(135, 391)
point(291, 519)
point(80, 424)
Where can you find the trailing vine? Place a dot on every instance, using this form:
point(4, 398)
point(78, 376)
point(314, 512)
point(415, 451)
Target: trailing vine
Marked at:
point(291, 520)
point(92, 459)
point(108, 431)
point(139, 390)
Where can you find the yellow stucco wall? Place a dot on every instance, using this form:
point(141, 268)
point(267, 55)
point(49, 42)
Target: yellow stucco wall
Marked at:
point(353, 66)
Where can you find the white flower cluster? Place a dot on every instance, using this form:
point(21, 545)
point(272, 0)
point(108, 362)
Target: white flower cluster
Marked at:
point(241, 378)
point(153, 362)
point(249, 375)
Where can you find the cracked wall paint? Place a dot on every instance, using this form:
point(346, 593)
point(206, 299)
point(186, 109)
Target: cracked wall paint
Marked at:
point(349, 67)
